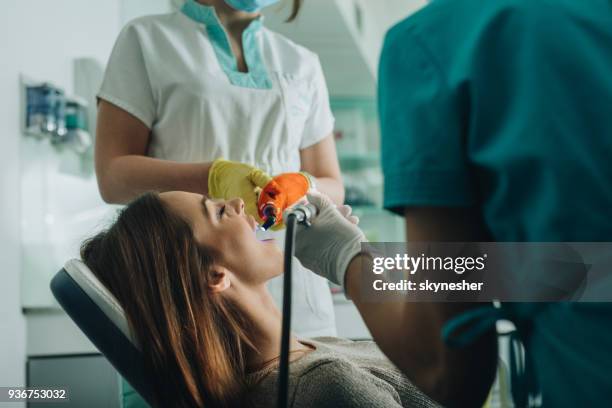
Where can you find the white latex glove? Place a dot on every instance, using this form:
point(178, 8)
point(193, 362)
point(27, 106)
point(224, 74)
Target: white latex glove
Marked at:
point(331, 242)
point(347, 212)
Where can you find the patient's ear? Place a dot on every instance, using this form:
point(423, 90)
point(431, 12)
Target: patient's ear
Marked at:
point(219, 280)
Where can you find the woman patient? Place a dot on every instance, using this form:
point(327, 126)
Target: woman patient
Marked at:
point(191, 277)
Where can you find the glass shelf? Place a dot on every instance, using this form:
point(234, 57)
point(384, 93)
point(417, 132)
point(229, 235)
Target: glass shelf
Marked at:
point(366, 105)
point(352, 161)
point(369, 210)
point(380, 225)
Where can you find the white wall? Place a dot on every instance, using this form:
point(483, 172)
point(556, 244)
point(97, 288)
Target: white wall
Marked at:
point(379, 16)
point(131, 9)
point(55, 219)
point(39, 38)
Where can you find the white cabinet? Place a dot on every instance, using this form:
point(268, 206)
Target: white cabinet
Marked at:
point(329, 28)
point(347, 35)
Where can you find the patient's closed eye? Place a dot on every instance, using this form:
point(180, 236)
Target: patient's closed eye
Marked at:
point(220, 212)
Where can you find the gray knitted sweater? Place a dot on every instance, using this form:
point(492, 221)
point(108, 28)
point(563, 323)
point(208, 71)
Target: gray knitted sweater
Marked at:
point(340, 373)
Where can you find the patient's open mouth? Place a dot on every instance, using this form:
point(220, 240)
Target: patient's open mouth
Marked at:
point(265, 236)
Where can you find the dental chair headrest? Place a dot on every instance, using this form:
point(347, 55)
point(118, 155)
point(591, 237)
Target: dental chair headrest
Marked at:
point(101, 296)
point(100, 316)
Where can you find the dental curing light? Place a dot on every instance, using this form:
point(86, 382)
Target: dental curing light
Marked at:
point(269, 216)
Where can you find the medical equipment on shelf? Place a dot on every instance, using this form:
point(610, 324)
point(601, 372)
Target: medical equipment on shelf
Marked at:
point(300, 214)
point(280, 193)
point(51, 114)
point(44, 110)
point(76, 136)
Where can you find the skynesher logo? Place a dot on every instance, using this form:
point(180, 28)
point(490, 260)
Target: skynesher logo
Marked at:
point(487, 271)
point(414, 264)
point(427, 286)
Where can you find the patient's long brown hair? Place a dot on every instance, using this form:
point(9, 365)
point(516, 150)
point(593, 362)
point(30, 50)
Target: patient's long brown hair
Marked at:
point(295, 10)
point(193, 341)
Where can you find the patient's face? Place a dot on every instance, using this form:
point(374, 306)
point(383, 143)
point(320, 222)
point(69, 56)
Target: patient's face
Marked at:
point(224, 226)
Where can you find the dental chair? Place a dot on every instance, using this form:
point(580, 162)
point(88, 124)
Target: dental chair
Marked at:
point(98, 314)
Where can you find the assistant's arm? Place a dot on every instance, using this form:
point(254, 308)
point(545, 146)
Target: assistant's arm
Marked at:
point(409, 333)
point(321, 161)
point(122, 168)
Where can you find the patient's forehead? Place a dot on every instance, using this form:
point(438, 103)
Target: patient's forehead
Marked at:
point(182, 203)
point(178, 198)
point(180, 195)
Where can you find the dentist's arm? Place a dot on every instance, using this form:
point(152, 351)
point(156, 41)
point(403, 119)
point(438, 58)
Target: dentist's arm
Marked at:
point(407, 332)
point(321, 161)
point(122, 168)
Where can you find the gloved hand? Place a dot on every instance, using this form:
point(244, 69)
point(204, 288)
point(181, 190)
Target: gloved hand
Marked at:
point(282, 192)
point(331, 242)
point(229, 179)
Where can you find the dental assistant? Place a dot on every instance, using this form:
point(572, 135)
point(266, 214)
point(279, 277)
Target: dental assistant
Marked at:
point(496, 126)
point(210, 81)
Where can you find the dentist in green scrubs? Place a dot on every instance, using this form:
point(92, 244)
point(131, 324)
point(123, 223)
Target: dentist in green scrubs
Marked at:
point(496, 122)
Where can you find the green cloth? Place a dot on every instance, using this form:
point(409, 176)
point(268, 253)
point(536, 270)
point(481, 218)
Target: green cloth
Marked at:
point(506, 105)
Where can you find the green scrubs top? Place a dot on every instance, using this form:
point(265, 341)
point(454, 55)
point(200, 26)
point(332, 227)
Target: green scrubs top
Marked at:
point(506, 106)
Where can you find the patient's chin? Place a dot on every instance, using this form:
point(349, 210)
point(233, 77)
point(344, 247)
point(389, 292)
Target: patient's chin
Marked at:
point(275, 267)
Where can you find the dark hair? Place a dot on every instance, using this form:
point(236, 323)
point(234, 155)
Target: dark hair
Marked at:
point(297, 5)
point(193, 341)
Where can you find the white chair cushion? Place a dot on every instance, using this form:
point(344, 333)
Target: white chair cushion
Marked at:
point(100, 295)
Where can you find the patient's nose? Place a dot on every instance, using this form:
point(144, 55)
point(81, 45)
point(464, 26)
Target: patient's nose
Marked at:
point(238, 205)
